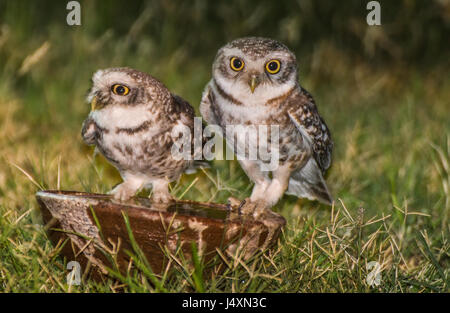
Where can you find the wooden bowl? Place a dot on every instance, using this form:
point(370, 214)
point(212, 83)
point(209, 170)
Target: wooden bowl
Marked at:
point(95, 227)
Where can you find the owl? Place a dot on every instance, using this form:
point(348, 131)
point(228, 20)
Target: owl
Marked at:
point(255, 82)
point(132, 125)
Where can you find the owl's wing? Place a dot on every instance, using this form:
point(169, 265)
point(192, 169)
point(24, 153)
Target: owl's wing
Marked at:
point(187, 115)
point(184, 109)
point(88, 131)
point(304, 114)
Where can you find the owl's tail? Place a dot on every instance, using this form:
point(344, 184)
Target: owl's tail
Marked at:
point(308, 183)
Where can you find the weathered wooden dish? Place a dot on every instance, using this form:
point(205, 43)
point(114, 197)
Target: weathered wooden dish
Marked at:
point(95, 224)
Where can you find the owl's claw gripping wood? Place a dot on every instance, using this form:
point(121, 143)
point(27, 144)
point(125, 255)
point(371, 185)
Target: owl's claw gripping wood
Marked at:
point(162, 197)
point(255, 208)
point(123, 192)
point(247, 207)
point(161, 192)
point(234, 204)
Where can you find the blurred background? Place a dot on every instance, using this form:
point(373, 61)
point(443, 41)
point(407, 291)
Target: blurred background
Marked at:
point(45, 61)
point(384, 92)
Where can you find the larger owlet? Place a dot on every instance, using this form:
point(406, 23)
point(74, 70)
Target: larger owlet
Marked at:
point(131, 123)
point(255, 82)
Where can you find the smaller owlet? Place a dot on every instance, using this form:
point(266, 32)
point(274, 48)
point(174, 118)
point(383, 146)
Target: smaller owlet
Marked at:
point(255, 82)
point(131, 123)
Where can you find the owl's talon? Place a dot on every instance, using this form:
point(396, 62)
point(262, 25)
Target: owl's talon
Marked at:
point(254, 208)
point(162, 198)
point(122, 192)
point(234, 204)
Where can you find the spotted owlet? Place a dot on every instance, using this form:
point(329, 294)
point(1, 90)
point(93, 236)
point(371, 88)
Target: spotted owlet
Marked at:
point(255, 82)
point(131, 123)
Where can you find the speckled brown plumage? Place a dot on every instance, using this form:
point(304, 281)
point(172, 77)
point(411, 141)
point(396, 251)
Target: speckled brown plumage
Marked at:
point(134, 131)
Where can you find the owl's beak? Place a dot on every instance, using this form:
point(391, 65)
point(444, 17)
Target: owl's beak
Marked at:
point(93, 103)
point(254, 82)
point(96, 105)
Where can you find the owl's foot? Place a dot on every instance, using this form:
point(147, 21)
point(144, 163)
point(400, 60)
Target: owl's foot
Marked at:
point(161, 192)
point(247, 207)
point(234, 207)
point(162, 197)
point(123, 192)
point(255, 208)
point(234, 204)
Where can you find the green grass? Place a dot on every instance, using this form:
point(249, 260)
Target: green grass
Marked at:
point(386, 104)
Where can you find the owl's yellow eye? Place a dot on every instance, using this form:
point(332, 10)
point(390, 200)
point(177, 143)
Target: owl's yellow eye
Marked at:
point(120, 90)
point(236, 64)
point(273, 66)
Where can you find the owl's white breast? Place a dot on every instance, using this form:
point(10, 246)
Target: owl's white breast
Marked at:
point(121, 116)
point(253, 106)
point(260, 96)
point(114, 118)
point(130, 149)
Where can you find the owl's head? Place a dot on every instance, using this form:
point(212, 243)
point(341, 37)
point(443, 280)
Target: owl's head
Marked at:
point(125, 87)
point(255, 66)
